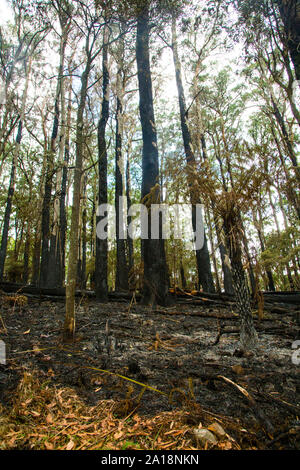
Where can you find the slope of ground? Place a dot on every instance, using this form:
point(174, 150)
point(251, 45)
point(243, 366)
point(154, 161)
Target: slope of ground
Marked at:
point(145, 378)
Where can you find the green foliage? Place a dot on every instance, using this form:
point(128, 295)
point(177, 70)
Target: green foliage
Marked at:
point(281, 248)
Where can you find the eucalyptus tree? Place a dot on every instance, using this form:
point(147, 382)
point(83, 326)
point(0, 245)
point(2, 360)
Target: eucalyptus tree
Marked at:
point(155, 282)
point(124, 64)
point(16, 46)
point(52, 268)
point(29, 34)
point(202, 255)
point(277, 21)
point(101, 286)
point(274, 103)
point(11, 188)
point(92, 28)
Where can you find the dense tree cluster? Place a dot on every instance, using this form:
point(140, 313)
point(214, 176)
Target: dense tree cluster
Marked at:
point(171, 102)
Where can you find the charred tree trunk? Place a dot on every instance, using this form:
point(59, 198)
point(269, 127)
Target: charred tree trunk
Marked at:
point(259, 228)
point(36, 257)
point(202, 255)
point(129, 219)
point(182, 276)
point(26, 256)
point(101, 286)
point(121, 265)
point(44, 269)
point(155, 282)
point(248, 335)
point(290, 15)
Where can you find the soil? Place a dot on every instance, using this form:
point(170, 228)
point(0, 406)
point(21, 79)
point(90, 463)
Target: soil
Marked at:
point(187, 352)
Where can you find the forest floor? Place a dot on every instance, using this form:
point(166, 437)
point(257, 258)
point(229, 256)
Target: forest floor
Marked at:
point(142, 378)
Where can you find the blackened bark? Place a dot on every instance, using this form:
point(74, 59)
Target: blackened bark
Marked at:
point(101, 286)
point(155, 282)
point(290, 15)
point(44, 269)
point(36, 257)
point(248, 335)
point(121, 264)
point(248, 257)
point(26, 257)
point(259, 229)
point(202, 255)
point(6, 221)
point(182, 275)
point(129, 219)
point(227, 276)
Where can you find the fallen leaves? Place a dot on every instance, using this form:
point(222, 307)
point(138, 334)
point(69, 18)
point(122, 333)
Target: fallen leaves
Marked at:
point(73, 425)
point(168, 345)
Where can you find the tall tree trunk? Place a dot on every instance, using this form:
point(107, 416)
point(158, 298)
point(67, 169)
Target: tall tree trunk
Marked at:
point(101, 286)
point(44, 269)
point(155, 281)
point(69, 324)
point(286, 139)
point(290, 14)
point(26, 256)
point(8, 209)
point(212, 243)
point(11, 189)
point(129, 219)
point(36, 256)
point(202, 255)
point(50, 274)
point(259, 227)
point(291, 193)
point(83, 236)
point(55, 275)
point(121, 264)
point(182, 276)
point(63, 195)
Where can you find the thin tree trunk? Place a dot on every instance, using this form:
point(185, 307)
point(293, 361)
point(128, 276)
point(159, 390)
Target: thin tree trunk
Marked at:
point(202, 255)
point(121, 262)
point(259, 227)
point(11, 189)
point(69, 324)
point(55, 275)
point(212, 243)
point(286, 139)
point(129, 219)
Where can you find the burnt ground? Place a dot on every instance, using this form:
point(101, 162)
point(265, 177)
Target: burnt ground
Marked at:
point(177, 350)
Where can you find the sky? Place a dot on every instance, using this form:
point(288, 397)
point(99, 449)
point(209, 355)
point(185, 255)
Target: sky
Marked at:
point(5, 12)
